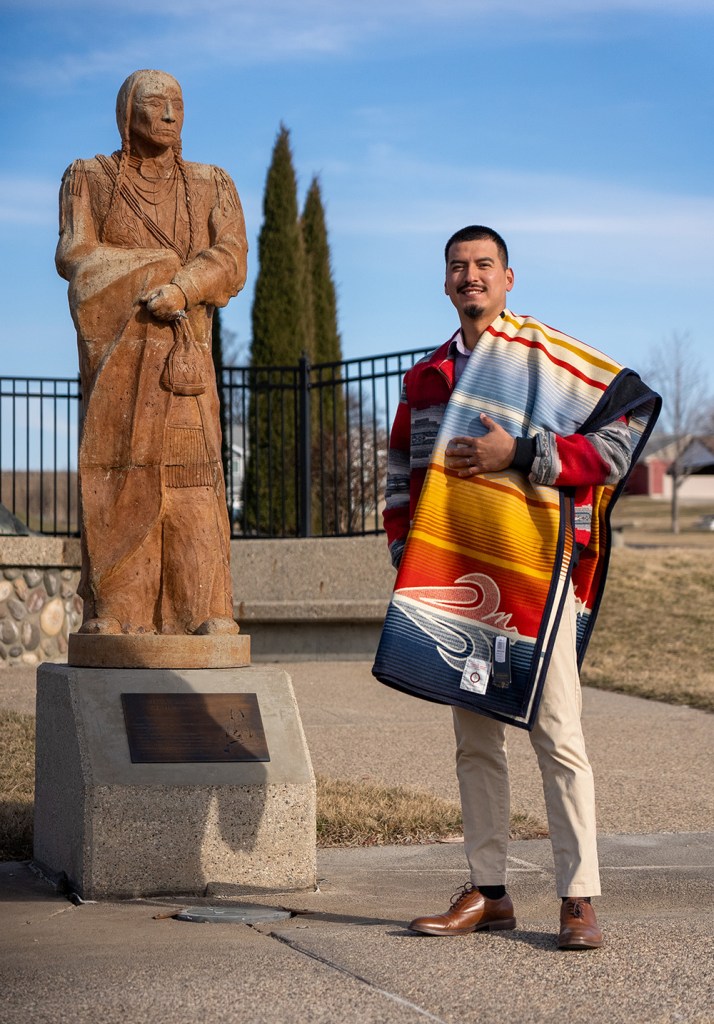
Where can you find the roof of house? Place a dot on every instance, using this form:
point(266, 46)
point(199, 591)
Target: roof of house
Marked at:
point(660, 446)
point(699, 453)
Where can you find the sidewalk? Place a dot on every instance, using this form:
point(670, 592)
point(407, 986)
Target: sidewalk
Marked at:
point(346, 953)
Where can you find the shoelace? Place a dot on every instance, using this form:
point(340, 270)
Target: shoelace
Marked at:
point(464, 891)
point(575, 908)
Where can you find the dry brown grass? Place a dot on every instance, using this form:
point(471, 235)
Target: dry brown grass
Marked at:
point(17, 784)
point(655, 633)
point(369, 814)
point(42, 499)
point(646, 521)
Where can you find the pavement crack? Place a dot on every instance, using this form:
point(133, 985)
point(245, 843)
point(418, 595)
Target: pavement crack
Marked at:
point(297, 948)
point(62, 910)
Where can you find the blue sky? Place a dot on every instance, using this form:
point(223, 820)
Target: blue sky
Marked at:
point(581, 129)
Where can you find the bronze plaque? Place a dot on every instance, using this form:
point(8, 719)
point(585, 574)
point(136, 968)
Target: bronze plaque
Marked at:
point(174, 728)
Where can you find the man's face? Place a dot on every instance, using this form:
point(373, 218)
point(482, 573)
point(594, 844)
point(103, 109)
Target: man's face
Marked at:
point(157, 112)
point(476, 281)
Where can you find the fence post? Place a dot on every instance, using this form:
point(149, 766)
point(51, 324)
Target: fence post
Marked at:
point(304, 449)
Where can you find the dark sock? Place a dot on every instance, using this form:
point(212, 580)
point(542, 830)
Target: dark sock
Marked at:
point(492, 892)
point(583, 899)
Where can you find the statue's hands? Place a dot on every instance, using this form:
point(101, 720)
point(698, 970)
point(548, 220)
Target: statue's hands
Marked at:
point(487, 454)
point(165, 303)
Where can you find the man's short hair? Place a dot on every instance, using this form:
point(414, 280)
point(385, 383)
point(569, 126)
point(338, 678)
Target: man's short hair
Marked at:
point(474, 232)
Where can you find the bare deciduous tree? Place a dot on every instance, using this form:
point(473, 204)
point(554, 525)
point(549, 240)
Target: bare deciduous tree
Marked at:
point(352, 461)
point(676, 372)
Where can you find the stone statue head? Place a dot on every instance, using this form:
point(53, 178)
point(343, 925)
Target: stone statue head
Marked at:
point(150, 119)
point(150, 107)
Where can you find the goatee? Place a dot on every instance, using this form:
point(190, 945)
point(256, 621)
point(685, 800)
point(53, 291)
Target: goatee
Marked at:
point(473, 312)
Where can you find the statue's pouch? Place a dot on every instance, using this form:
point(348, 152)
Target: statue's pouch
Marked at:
point(184, 372)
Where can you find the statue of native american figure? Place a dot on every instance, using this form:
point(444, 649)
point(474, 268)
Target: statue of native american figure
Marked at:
point(150, 245)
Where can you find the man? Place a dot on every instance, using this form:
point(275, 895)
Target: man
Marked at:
point(150, 246)
point(509, 445)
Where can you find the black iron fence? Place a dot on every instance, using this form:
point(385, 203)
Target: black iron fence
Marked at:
point(305, 447)
point(39, 430)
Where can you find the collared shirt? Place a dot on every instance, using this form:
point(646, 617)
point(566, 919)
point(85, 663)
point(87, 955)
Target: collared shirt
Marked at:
point(460, 354)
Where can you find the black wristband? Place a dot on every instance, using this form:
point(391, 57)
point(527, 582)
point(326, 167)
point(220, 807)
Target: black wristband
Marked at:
point(525, 453)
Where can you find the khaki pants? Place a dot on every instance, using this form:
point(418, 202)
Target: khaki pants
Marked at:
point(557, 738)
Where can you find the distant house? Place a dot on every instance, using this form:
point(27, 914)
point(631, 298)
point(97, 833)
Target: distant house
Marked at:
point(649, 475)
point(234, 484)
point(238, 440)
point(697, 461)
point(652, 475)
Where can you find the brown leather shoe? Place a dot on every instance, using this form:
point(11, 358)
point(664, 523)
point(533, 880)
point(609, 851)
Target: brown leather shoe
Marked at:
point(470, 911)
point(578, 926)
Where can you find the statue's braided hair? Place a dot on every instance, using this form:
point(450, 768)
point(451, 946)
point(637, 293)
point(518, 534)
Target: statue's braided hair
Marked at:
point(125, 99)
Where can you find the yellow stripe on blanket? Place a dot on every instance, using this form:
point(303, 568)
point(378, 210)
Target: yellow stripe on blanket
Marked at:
point(489, 520)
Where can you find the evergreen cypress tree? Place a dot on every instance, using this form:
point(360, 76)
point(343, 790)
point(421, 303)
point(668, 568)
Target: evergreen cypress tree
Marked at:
point(327, 347)
point(279, 313)
point(328, 420)
point(281, 321)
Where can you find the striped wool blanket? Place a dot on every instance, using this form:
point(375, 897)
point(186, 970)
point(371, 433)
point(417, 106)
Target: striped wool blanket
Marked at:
point(488, 560)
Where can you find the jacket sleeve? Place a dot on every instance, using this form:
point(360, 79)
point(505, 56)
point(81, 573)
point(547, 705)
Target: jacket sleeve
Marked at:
point(577, 460)
point(396, 511)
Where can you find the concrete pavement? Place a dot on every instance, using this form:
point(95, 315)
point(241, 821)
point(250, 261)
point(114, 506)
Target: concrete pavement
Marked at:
point(346, 954)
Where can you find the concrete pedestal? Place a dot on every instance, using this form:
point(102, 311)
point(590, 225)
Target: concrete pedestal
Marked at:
point(119, 829)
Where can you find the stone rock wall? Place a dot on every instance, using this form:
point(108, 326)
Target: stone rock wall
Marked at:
point(39, 608)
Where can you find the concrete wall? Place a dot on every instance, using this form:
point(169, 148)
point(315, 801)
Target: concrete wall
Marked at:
point(314, 598)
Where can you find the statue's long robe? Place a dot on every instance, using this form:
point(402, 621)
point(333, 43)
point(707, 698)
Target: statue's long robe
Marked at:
point(123, 349)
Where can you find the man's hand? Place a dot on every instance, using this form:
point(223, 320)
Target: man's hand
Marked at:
point(471, 455)
point(165, 303)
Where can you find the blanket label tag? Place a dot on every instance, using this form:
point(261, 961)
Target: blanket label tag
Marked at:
point(476, 675)
point(502, 662)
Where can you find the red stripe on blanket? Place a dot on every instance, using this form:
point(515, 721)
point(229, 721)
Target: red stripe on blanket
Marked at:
point(558, 362)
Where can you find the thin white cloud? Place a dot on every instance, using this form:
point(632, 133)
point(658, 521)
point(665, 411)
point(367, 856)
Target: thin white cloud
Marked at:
point(358, 11)
point(33, 203)
point(398, 180)
point(233, 38)
point(591, 229)
point(631, 215)
point(211, 32)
